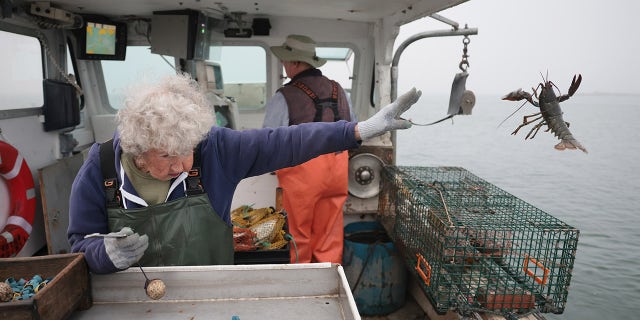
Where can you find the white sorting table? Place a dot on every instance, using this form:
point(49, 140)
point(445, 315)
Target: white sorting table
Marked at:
point(277, 291)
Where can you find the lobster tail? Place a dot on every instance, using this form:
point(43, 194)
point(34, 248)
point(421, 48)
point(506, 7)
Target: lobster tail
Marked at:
point(570, 144)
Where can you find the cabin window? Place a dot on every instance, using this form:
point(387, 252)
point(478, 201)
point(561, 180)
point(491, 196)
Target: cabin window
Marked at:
point(21, 84)
point(244, 74)
point(140, 65)
point(339, 66)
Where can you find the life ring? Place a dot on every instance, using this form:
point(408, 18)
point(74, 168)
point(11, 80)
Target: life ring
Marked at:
point(22, 207)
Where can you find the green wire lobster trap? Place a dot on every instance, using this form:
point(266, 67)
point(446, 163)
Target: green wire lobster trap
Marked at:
point(474, 246)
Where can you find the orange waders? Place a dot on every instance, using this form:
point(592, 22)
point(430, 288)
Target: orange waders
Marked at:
point(313, 195)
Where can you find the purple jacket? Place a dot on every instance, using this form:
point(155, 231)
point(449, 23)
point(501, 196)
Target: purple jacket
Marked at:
point(227, 157)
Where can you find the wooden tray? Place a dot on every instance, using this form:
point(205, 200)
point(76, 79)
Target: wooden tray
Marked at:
point(68, 290)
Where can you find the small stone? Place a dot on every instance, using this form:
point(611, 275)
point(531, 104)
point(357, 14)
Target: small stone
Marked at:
point(6, 292)
point(156, 289)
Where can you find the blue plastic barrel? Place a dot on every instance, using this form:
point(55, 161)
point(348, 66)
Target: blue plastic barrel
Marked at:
point(374, 269)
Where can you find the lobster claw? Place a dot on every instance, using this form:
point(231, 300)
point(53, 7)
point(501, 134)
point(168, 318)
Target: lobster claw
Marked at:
point(517, 95)
point(575, 83)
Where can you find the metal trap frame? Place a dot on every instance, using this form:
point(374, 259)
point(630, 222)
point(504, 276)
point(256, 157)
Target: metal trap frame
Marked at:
point(474, 246)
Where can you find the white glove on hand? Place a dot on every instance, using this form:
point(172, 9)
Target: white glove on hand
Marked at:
point(125, 251)
point(388, 118)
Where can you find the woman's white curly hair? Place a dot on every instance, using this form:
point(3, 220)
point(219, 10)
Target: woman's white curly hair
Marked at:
point(171, 116)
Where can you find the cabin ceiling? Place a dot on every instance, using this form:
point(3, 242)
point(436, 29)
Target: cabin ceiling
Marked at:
point(349, 10)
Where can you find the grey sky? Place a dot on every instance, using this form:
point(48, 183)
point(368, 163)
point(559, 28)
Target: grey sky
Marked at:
point(518, 39)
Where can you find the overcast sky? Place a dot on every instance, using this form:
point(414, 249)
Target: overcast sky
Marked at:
point(517, 40)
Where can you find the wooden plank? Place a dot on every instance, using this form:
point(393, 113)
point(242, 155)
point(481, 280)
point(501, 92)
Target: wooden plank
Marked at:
point(278, 206)
point(55, 188)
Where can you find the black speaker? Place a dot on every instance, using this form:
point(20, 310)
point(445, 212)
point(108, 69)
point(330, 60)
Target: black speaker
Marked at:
point(61, 107)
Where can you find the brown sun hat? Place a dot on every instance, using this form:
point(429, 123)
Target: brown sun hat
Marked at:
point(298, 48)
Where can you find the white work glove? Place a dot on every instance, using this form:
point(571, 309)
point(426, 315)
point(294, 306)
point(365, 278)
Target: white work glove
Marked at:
point(125, 251)
point(388, 118)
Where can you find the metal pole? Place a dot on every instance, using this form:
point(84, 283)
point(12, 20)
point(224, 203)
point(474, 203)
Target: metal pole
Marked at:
point(404, 45)
point(445, 20)
point(414, 38)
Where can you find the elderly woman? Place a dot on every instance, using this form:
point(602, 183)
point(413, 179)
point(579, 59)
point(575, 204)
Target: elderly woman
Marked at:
point(170, 175)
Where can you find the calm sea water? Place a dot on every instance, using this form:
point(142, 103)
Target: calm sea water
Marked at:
point(594, 192)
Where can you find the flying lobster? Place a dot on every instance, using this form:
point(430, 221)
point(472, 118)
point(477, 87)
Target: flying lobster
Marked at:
point(550, 112)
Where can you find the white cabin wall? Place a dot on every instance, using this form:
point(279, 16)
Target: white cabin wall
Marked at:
point(98, 116)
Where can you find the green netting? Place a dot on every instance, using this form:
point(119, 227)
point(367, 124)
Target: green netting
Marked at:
point(475, 246)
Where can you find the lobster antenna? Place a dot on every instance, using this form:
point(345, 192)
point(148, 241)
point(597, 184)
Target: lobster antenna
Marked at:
point(553, 84)
point(511, 115)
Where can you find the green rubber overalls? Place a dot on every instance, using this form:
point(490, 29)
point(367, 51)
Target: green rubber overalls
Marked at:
point(182, 232)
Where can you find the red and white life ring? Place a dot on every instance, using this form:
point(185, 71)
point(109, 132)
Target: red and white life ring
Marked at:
point(17, 175)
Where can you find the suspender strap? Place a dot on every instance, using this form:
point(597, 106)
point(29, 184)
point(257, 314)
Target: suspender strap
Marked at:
point(334, 101)
point(331, 102)
point(194, 183)
point(110, 181)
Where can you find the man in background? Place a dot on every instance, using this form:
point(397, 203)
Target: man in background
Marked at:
point(314, 192)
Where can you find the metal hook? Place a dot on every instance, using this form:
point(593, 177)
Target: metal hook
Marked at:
point(464, 64)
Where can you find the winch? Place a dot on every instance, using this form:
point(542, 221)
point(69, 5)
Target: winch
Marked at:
point(364, 175)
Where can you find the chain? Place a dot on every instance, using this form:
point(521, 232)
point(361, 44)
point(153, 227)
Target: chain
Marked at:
point(69, 77)
point(42, 23)
point(464, 64)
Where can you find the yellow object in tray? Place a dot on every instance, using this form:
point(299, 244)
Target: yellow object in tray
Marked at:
point(265, 223)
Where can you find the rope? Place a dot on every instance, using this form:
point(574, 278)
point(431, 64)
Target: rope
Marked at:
point(295, 246)
point(40, 22)
point(444, 203)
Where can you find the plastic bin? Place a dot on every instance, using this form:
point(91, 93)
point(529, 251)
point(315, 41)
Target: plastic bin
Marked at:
point(375, 270)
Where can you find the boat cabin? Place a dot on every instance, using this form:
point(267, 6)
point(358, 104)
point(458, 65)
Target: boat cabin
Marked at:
point(68, 65)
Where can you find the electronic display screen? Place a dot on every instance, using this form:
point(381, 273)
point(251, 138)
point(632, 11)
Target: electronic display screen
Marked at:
point(101, 38)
